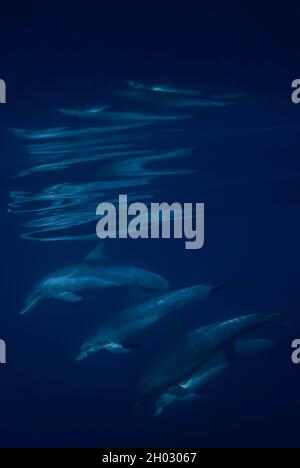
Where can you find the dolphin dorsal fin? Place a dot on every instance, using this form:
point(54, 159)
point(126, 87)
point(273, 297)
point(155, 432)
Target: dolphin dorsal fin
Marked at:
point(97, 255)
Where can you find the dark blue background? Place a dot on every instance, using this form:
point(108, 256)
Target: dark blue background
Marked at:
point(69, 56)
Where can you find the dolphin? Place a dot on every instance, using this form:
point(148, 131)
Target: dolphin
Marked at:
point(198, 382)
point(119, 333)
point(95, 272)
point(194, 349)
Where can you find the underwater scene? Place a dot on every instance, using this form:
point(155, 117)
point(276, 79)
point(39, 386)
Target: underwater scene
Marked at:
point(150, 225)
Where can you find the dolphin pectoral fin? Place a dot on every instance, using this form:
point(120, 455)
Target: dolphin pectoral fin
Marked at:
point(97, 255)
point(229, 351)
point(178, 391)
point(69, 297)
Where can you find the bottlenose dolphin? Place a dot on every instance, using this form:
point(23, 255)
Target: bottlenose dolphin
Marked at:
point(119, 333)
point(194, 349)
point(94, 273)
point(199, 381)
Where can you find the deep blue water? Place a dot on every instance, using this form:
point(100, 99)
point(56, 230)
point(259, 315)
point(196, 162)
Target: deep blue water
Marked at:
point(248, 174)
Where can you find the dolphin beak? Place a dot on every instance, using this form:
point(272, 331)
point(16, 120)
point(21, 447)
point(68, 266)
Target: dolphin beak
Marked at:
point(31, 305)
point(26, 309)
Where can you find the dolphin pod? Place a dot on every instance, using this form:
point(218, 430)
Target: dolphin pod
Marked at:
point(95, 272)
point(200, 380)
point(121, 332)
point(150, 124)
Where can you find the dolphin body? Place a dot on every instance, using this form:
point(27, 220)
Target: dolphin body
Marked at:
point(194, 349)
point(94, 273)
point(119, 333)
point(199, 381)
